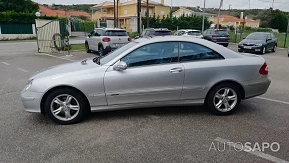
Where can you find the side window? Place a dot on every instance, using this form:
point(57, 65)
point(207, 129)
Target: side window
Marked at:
point(181, 33)
point(205, 32)
point(273, 37)
point(153, 54)
point(177, 33)
point(269, 36)
point(152, 32)
point(143, 33)
point(195, 52)
point(97, 32)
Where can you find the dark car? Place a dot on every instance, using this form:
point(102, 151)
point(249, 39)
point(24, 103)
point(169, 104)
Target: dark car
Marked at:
point(258, 42)
point(219, 36)
point(150, 32)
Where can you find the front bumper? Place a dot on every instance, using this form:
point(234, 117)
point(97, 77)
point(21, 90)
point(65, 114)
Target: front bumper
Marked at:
point(31, 101)
point(252, 49)
point(256, 88)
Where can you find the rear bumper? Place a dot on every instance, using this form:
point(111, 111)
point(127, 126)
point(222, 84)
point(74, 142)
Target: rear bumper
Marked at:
point(256, 88)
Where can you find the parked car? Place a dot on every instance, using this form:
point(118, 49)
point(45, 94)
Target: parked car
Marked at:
point(148, 72)
point(219, 36)
point(105, 40)
point(151, 32)
point(189, 33)
point(258, 42)
point(288, 52)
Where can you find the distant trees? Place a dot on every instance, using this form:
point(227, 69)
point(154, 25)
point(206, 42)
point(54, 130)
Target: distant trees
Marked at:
point(24, 6)
point(183, 22)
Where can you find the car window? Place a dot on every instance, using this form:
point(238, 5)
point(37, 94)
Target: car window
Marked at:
point(195, 52)
point(143, 33)
point(162, 33)
point(269, 37)
point(176, 33)
point(115, 33)
point(256, 36)
point(153, 54)
point(194, 33)
point(273, 37)
point(181, 33)
point(221, 32)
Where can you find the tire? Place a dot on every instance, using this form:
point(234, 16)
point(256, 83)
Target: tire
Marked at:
point(225, 45)
point(55, 102)
point(214, 100)
point(87, 48)
point(274, 49)
point(263, 51)
point(101, 51)
point(239, 51)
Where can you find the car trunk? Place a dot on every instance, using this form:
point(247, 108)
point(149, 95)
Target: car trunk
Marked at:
point(117, 37)
point(222, 36)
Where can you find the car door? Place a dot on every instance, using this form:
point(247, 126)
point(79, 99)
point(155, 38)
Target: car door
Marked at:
point(274, 40)
point(90, 40)
point(201, 70)
point(270, 42)
point(153, 74)
point(94, 39)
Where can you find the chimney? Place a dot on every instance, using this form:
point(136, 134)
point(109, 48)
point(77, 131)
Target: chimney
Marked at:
point(162, 2)
point(242, 15)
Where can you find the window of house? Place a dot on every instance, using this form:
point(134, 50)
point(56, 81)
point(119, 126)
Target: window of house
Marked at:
point(194, 52)
point(153, 54)
point(125, 12)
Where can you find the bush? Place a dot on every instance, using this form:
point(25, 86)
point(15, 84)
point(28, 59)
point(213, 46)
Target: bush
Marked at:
point(87, 26)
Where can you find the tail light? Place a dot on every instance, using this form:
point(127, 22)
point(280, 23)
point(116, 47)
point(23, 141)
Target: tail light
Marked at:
point(264, 69)
point(106, 39)
point(214, 36)
point(202, 37)
point(129, 39)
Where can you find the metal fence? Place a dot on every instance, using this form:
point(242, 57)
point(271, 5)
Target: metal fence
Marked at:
point(16, 29)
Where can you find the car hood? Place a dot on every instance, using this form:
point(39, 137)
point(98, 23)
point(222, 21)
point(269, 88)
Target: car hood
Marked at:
point(66, 68)
point(253, 41)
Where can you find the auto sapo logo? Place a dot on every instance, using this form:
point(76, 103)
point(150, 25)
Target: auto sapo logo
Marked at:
point(247, 146)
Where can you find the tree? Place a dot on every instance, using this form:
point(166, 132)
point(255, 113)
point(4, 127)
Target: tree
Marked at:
point(279, 21)
point(25, 6)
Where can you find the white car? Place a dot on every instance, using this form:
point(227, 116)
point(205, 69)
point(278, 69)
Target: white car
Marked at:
point(189, 33)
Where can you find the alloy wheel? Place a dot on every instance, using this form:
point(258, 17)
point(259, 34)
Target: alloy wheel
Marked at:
point(65, 107)
point(225, 99)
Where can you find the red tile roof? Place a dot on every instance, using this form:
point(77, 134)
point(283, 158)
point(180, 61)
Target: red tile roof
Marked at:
point(61, 13)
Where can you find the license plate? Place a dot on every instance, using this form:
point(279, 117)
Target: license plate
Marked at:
point(247, 47)
point(118, 45)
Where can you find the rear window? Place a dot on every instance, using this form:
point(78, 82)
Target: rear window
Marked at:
point(162, 33)
point(221, 32)
point(194, 33)
point(115, 33)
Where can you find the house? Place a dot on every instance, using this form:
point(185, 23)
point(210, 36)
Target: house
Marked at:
point(45, 11)
point(190, 11)
point(227, 20)
point(127, 12)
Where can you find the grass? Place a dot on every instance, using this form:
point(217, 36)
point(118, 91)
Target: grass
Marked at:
point(77, 47)
point(17, 39)
point(279, 36)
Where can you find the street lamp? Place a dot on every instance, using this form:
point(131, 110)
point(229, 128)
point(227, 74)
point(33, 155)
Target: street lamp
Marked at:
point(38, 14)
point(203, 23)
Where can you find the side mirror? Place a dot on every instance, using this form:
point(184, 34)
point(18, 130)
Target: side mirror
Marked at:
point(136, 37)
point(269, 39)
point(244, 38)
point(89, 35)
point(120, 66)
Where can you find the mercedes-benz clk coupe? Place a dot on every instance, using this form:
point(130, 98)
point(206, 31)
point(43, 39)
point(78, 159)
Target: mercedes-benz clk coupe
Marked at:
point(148, 72)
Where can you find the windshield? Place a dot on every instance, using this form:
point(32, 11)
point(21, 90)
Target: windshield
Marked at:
point(256, 36)
point(115, 33)
point(220, 32)
point(115, 53)
point(194, 33)
point(162, 33)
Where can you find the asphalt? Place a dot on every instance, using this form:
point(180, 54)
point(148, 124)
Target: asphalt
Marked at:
point(170, 134)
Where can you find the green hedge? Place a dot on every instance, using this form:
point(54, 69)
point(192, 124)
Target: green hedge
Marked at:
point(86, 26)
point(23, 18)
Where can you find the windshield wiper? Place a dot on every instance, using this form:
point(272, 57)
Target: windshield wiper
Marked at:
point(97, 60)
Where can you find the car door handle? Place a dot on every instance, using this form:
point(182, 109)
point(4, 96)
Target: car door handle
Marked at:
point(176, 70)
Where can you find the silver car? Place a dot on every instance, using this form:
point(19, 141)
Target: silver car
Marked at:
point(189, 33)
point(148, 72)
point(105, 40)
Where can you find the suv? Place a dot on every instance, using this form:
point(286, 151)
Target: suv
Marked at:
point(105, 40)
point(189, 33)
point(219, 36)
point(150, 32)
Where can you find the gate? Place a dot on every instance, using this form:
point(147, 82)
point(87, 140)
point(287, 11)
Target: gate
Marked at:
point(53, 36)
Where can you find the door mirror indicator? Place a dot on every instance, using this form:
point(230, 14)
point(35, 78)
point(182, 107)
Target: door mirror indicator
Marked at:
point(120, 66)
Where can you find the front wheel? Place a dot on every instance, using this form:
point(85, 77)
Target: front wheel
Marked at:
point(226, 45)
point(87, 48)
point(274, 48)
point(223, 99)
point(263, 51)
point(65, 106)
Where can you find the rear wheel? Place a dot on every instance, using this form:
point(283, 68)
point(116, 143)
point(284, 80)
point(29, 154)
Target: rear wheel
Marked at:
point(65, 106)
point(274, 48)
point(226, 45)
point(87, 48)
point(223, 99)
point(101, 51)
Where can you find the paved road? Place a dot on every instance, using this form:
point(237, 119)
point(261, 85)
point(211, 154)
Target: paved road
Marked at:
point(171, 134)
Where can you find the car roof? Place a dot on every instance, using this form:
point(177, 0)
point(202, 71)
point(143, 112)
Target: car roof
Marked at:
point(188, 30)
point(265, 33)
point(112, 29)
point(158, 29)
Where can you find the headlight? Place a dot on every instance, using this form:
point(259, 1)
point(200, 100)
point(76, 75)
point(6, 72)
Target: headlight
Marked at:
point(241, 44)
point(28, 85)
point(258, 44)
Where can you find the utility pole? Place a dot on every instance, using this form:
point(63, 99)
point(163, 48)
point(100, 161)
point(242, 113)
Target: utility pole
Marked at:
point(203, 23)
point(249, 4)
point(230, 9)
point(117, 1)
point(114, 14)
point(218, 23)
point(138, 17)
point(286, 35)
point(273, 4)
point(148, 22)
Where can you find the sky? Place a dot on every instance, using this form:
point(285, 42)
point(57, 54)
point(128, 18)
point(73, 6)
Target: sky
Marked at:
point(239, 4)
